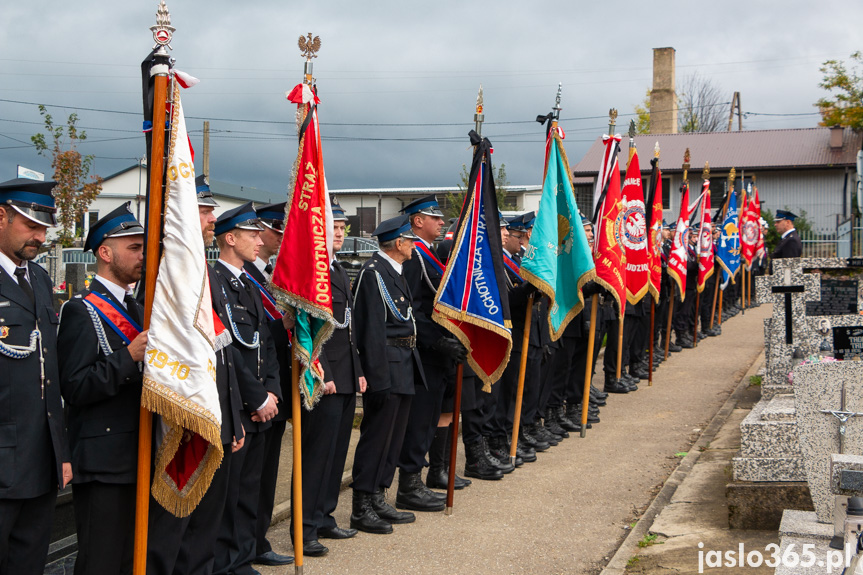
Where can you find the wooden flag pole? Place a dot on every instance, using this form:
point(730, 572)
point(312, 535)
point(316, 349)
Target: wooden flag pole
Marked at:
point(296, 433)
point(668, 325)
point(715, 296)
point(588, 370)
point(456, 414)
point(522, 368)
point(650, 342)
point(719, 315)
point(155, 198)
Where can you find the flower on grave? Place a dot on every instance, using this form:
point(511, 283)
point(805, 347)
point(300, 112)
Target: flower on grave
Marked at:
point(808, 360)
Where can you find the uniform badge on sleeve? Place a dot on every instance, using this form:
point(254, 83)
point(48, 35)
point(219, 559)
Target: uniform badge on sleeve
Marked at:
point(4, 331)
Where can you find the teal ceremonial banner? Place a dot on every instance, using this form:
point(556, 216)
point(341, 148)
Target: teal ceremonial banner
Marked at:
point(558, 259)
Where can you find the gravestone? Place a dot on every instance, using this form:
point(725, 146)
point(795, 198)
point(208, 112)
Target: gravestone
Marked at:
point(75, 275)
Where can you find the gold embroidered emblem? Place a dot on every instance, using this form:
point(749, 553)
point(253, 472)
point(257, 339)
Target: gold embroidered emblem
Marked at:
point(4, 331)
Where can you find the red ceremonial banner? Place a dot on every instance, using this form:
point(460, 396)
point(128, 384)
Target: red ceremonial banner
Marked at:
point(705, 240)
point(634, 233)
point(608, 255)
point(654, 239)
point(677, 257)
point(750, 230)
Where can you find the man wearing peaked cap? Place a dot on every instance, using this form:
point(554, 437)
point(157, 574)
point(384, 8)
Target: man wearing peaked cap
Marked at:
point(327, 428)
point(36, 460)
point(271, 218)
point(439, 352)
point(238, 234)
point(385, 327)
point(790, 246)
point(101, 343)
point(202, 188)
point(187, 544)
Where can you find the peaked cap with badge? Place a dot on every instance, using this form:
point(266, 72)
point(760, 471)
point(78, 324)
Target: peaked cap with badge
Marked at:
point(30, 198)
point(120, 222)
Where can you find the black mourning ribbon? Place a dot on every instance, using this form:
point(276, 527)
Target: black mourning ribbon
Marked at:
point(308, 119)
point(24, 284)
point(483, 143)
point(543, 119)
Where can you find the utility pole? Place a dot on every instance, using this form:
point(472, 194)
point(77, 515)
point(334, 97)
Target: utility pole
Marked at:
point(206, 163)
point(735, 102)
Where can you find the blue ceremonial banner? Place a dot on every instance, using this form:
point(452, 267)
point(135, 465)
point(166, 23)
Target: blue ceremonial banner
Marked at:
point(558, 260)
point(472, 300)
point(728, 252)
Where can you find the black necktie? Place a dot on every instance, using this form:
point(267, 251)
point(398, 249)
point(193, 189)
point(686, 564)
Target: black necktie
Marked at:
point(24, 283)
point(268, 269)
point(244, 279)
point(132, 308)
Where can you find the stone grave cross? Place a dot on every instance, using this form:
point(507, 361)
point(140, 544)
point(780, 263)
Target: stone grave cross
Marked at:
point(843, 415)
point(787, 331)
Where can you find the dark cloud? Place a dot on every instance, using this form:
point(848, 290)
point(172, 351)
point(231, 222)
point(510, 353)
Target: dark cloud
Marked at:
point(399, 63)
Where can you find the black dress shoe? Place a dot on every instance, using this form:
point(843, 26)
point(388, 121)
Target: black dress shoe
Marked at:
point(613, 385)
point(414, 495)
point(524, 453)
point(274, 559)
point(598, 393)
point(388, 513)
point(314, 548)
point(336, 533)
point(438, 478)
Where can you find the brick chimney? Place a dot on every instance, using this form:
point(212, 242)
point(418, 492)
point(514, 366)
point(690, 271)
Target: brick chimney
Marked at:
point(663, 98)
point(837, 134)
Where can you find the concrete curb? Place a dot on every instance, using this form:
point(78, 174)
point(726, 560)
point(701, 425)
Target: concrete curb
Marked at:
point(629, 547)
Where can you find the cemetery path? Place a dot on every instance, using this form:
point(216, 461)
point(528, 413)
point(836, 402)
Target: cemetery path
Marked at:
point(569, 511)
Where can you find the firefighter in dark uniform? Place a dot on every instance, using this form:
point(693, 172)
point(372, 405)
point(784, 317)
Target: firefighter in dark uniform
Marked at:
point(683, 316)
point(327, 428)
point(186, 545)
point(238, 237)
point(271, 218)
point(34, 454)
point(790, 245)
point(439, 351)
point(101, 346)
point(386, 337)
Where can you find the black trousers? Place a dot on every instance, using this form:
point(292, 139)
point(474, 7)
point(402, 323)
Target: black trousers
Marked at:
point(235, 546)
point(385, 417)
point(683, 317)
point(575, 375)
point(25, 533)
point(105, 524)
point(424, 415)
point(326, 436)
point(559, 373)
point(530, 395)
point(269, 477)
point(611, 331)
point(187, 545)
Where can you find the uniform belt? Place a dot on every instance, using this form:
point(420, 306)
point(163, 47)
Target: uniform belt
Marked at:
point(409, 342)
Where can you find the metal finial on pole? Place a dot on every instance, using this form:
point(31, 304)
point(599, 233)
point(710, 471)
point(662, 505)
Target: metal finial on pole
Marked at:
point(556, 109)
point(309, 47)
point(686, 157)
point(705, 175)
point(732, 175)
point(612, 120)
point(656, 149)
point(479, 117)
point(162, 31)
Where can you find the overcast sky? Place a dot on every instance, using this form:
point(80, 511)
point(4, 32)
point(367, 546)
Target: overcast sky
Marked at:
point(392, 64)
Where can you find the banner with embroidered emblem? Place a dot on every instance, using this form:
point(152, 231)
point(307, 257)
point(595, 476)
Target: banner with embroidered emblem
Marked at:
point(608, 254)
point(268, 300)
point(301, 277)
point(558, 260)
point(678, 256)
point(472, 300)
point(705, 240)
point(728, 252)
point(180, 361)
point(654, 239)
point(114, 315)
point(633, 233)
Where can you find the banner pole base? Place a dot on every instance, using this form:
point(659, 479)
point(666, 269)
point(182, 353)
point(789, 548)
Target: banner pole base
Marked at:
point(583, 432)
point(298, 569)
point(447, 511)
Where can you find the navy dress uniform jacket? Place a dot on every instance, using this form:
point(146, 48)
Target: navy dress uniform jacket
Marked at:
point(339, 358)
point(102, 393)
point(257, 373)
point(375, 324)
point(33, 442)
point(230, 402)
point(788, 247)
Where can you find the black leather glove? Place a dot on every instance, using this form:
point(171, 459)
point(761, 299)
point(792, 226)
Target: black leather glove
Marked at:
point(452, 348)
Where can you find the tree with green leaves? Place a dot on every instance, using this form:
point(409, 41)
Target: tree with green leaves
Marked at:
point(454, 201)
point(642, 111)
point(844, 106)
point(72, 194)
